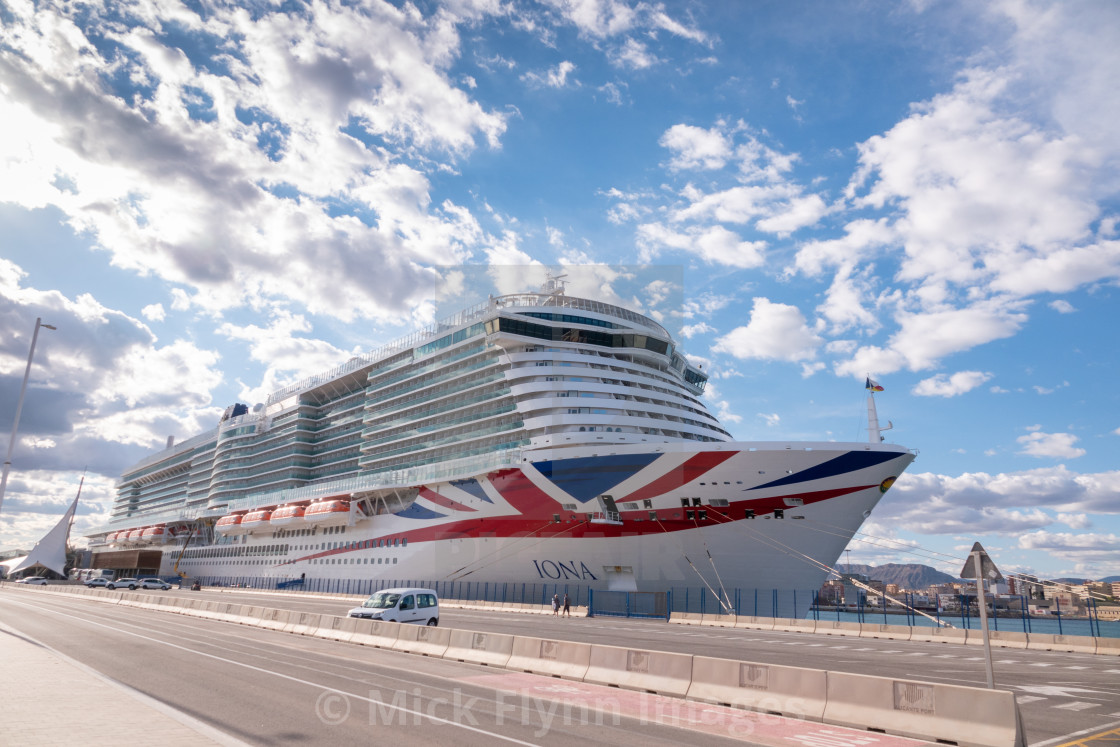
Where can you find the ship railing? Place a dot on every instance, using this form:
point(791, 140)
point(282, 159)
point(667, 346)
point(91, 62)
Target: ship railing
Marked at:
point(435, 329)
point(606, 517)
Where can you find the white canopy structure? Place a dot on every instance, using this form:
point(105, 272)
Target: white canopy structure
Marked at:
point(49, 552)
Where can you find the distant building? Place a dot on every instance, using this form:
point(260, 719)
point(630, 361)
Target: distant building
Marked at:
point(1115, 588)
point(1108, 612)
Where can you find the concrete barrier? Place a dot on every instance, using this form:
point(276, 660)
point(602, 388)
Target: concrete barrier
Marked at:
point(755, 623)
point(1008, 639)
point(331, 628)
point(794, 625)
point(375, 633)
point(879, 630)
point(568, 659)
point(768, 688)
point(1080, 644)
point(962, 715)
point(940, 635)
point(1108, 646)
point(686, 618)
point(492, 649)
point(273, 619)
point(426, 640)
point(303, 623)
point(719, 621)
point(636, 669)
point(836, 627)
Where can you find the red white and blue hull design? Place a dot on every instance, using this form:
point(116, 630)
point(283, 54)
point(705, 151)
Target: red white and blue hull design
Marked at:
point(769, 516)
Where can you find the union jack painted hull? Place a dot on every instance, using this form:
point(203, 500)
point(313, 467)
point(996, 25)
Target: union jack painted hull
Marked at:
point(731, 515)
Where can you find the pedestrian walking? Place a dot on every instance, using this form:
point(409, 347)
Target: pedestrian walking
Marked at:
point(567, 606)
point(555, 604)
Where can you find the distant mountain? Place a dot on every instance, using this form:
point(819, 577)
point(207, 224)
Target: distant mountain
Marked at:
point(1110, 579)
point(906, 575)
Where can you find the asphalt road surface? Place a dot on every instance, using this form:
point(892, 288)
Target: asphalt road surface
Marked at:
point(262, 686)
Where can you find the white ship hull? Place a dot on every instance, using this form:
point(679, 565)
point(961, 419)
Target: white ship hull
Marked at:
point(518, 526)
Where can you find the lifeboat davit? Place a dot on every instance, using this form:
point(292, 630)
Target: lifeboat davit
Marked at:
point(135, 535)
point(256, 519)
point(328, 513)
point(230, 524)
point(157, 533)
point(287, 515)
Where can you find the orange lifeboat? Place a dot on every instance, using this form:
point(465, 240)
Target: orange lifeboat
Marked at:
point(287, 515)
point(328, 513)
point(111, 537)
point(256, 519)
point(157, 533)
point(135, 535)
point(230, 524)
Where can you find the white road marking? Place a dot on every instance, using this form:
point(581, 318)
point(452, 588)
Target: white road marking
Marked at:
point(281, 675)
point(1077, 705)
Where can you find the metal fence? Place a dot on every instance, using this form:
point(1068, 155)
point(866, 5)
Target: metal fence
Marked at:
point(655, 604)
point(783, 603)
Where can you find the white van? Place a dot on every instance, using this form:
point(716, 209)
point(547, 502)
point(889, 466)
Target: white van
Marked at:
point(420, 606)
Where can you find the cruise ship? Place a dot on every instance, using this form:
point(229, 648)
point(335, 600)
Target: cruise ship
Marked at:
point(534, 438)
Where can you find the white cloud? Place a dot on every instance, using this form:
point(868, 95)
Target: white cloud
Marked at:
point(714, 244)
point(554, 77)
point(1075, 521)
point(154, 312)
point(634, 55)
point(155, 184)
point(1062, 307)
point(1050, 445)
point(923, 494)
point(696, 148)
point(775, 331)
point(690, 330)
point(950, 386)
point(1094, 554)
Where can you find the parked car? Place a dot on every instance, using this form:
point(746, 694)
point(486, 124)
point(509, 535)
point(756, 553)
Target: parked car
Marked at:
point(123, 583)
point(419, 606)
point(154, 583)
point(37, 580)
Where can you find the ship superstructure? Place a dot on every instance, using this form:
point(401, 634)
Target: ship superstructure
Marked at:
point(531, 437)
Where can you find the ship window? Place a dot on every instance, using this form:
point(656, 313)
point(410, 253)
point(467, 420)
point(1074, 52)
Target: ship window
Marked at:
point(404, 542)
point(647, 503)
point(695, 501)
point(702, 515)
point(748, 514)
point(684, 502)
point(653, 516)
point(689, 515)
point(779, 513)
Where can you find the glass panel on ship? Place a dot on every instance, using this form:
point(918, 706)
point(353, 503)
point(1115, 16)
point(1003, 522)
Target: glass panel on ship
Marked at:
point(534, 437)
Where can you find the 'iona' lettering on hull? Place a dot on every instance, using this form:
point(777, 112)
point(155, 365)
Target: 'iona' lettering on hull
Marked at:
point(558, 569)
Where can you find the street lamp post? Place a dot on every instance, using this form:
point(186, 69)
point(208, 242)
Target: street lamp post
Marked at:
point(19, 408)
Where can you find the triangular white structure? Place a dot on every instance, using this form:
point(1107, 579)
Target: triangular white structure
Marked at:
point(49, 552)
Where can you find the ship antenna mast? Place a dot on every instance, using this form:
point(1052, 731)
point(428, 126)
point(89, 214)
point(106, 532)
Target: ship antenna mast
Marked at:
point(874, 432)
point(553, 284)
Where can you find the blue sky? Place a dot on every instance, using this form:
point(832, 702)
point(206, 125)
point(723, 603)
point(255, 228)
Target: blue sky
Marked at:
point(212, 201)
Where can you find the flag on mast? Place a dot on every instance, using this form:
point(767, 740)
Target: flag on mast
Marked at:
point(872, 386)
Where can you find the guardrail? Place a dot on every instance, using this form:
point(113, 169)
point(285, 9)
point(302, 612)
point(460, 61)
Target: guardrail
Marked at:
point(953, 714)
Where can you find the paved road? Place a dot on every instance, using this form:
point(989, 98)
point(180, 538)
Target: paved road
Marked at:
point(1060, 694)
point(254, 686)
